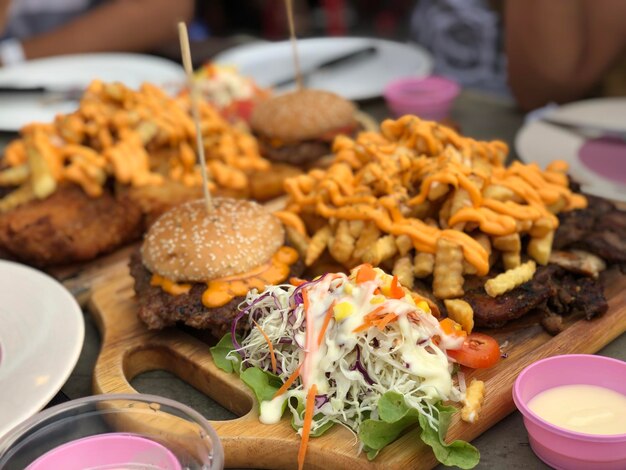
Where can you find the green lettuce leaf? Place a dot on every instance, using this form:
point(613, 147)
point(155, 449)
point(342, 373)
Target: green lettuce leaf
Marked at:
point(263, 384)
point(458, 453)
point(396, 416)
point(221, 350)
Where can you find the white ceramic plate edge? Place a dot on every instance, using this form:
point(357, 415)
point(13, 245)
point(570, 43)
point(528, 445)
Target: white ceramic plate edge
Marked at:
point(538, 142)
point(326, 80)
point(56, 382)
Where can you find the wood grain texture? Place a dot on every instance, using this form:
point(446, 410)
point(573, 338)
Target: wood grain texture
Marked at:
point(128, 349)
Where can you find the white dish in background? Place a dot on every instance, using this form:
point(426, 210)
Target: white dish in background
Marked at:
point(542, 143)
point(271, 62)
point(41, 336)
point(75, 71)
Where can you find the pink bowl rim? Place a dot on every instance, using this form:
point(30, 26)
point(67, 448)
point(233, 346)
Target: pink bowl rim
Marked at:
point(527, 413)
point(449, 89)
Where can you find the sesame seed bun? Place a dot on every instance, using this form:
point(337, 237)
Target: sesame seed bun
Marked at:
point(188, 244)
point(302, 115)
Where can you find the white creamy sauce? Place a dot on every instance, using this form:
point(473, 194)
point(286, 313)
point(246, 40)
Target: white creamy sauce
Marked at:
point(433, 368)
point(272, 410)
point(582, 408)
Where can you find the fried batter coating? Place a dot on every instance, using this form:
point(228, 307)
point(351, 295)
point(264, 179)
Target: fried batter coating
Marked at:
point(69, 226)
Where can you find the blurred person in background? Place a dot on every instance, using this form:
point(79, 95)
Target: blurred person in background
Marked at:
point(465, 40)
point(564, 50)
point(31, 29)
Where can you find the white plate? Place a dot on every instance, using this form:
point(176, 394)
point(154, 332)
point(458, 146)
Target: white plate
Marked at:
point(75, 71)
point(41, 336)
point(268, 63)
point(541, 142)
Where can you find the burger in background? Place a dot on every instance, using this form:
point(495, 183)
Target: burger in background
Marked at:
point(197, 266)
point(298, 128)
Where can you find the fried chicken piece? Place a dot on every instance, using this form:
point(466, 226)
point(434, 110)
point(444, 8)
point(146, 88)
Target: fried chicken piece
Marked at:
point(268, 184)
point(155, 200)
point(68, 226)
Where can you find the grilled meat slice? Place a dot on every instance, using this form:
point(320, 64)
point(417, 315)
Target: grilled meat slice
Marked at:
point(573, 226)
point(609, 246)
point(599, 229)
point(577, 261)
point(158, 309)
point(552, 289)
point(613, 221)
point(493, 312)
point(577, 296)
point(552, 323)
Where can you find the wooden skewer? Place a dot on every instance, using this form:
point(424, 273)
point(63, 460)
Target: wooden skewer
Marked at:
point(294, 44)
point(193, 91)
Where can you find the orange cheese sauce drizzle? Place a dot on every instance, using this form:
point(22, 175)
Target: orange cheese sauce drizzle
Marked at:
point(221, 291)
point(381, 177)
point(169, 286)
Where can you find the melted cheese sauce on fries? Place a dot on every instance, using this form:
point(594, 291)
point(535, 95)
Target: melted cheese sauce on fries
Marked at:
point(139, 138)
point(417, 196)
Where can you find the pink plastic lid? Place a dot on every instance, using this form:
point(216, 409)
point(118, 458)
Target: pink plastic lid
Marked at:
point(427, 97)
point(422, 90)
point(114, 451)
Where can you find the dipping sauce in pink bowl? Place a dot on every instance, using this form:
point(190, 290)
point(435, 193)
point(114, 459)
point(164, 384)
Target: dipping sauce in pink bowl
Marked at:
point(562, 448)
point(113, 451)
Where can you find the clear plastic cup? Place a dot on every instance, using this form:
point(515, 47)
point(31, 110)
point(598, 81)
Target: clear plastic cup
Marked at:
point(114, 431)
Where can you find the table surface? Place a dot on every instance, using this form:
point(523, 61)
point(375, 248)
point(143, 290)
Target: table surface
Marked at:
point(505, 445)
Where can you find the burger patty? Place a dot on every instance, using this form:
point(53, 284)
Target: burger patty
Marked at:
point(158, 309)
point(68, 226)
point(299, 154)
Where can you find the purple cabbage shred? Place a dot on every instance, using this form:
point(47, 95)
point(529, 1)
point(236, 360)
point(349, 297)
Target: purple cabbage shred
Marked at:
point(358, 365)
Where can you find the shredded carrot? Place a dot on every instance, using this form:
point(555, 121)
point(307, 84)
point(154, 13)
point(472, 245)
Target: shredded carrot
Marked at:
point(296, 281)
point(368, 320)
point(365, 273)
point(292, 378)
point(329, 315)
point(374, 313)
point(381, 324)
point(269, 344)
point(306, 426)
point(396, 291)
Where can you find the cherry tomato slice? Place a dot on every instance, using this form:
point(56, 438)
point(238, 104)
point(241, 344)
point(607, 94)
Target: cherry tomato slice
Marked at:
point(478, 351)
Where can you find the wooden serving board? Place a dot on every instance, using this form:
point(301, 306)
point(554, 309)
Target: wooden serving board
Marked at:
point(128, 349)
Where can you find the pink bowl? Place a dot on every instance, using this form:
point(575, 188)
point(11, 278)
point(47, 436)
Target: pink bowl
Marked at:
point(428, 98)
point(112, 451)
point(558, 447)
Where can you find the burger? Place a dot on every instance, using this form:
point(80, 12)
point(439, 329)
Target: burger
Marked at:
point(298, 127)
point(196, 266)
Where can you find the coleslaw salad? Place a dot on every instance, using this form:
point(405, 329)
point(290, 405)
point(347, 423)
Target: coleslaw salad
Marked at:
point(356, 350)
